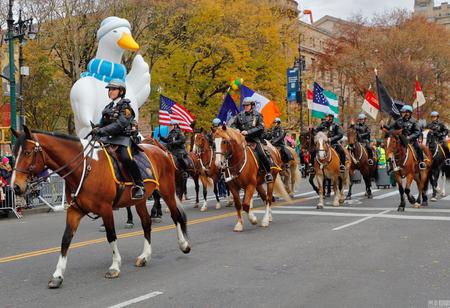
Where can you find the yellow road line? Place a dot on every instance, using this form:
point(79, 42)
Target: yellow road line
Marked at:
point(41, 252)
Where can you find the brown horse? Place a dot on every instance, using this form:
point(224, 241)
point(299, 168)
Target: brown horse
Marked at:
point(90, 188)
point(180, 182)
point(360, 161)
point(405, 165)
point(290, 175)
point(326, 165)
point(242, 172)
point(205, 154)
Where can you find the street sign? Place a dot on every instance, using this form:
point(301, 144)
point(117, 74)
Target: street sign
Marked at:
point(292, 84)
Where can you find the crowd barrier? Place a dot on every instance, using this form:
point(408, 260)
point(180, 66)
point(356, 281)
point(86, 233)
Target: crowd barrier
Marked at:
point(8, 201)
point(50, 193)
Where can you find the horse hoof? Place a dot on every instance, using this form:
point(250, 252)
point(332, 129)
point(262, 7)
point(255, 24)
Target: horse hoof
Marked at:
point(55, 282)
point(401, 209)
point(370, 196)
point(229, 204)
point(416, 205)
point(187, 249)
point(203, 209)
point(253, 220)
point(101, 229)
point(140, 262)
point(157, 220)
point(320, 207)
point(129, 225)
point(327, 195)
point(238, 228)
point(434, 199)
point(196, 205)
point(112, 274)
point(264, 223)
point(348, 198)
point(270, 218)
point(218, 206)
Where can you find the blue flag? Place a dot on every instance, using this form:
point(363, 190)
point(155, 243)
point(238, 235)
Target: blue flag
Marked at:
point(228, 109)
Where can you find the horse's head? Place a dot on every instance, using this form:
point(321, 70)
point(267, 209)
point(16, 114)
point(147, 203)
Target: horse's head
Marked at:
point(200, 143)
point(393, 142)
point(351, 135)
point(306, 139)
point(29, 160)
point(322, 145)
point(226, 140)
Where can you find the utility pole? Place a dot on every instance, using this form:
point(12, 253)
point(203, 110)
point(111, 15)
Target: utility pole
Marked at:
point(12, 68)
point(300, 83)
point(21, 73)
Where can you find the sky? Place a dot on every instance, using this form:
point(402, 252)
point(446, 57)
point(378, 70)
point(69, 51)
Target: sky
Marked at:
point(347, 8)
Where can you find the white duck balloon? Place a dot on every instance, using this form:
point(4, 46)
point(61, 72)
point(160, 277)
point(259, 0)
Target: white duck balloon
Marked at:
point(88, 95)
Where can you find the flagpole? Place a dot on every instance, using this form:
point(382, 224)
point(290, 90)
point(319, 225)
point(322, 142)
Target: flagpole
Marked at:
point(417, 101)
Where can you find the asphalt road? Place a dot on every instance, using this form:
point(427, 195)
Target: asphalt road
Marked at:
point(363, 255)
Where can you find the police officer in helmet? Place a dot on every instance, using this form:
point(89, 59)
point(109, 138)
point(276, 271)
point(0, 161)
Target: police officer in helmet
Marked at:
point(251, 124)
point(277, 136)
point(176, 144)
point(363, 134)
point(410, 131)
point(118, 127)
point(440, 132)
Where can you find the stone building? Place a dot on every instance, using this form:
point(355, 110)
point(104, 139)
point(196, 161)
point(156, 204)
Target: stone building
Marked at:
point(438, 14)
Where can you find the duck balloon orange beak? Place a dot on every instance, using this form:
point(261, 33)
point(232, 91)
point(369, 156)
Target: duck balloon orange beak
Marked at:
point(127, 42)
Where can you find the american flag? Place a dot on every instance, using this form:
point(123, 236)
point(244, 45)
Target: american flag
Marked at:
point(170, 110)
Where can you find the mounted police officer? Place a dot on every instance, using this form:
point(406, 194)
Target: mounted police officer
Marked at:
point(410, 130)
point(440, 132)
point(335, 134)
point(250, 123)
point(176, 144)
point(215, 124)
point(118, 127)
point(277, 136)
point(363, 135)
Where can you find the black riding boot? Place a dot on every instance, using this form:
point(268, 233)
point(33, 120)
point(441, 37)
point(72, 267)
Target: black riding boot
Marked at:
point(263, 158)
point(420, 157)
point(138, 190)
point(341, 154)
point(370, 154)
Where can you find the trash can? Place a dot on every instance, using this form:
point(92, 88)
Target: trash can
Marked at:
point(356, 177)
point(383, 179)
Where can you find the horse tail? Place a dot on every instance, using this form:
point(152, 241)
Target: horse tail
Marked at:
point(297, 177)
point(446, 170)
point(280, 190)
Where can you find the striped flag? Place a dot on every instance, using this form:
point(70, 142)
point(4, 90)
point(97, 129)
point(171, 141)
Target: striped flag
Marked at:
point(265, 106)
point(324, 102)
point(370, 104)
point(419, 98)
point(170, 110)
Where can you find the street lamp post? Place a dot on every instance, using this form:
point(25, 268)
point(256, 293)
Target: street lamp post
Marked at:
point(300, 65)
point(17, 30)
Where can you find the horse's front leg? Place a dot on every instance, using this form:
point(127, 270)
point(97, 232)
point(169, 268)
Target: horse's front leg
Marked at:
point(267, 199)
point(72, 221)
point(337, 191)
point(320, 178)
point(216, 194)
point(409, 179)
point(368, 183)
point(146, 222)
point(108, 221)
point(247, 203)
point(239, 227)
point(398, 179)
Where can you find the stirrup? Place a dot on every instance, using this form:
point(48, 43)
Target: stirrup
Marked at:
point(342, 168)
point(311, 169)
point(269, 178)
point(422, 165)
point(370, 161)
point(447, 162)
point(137, 192)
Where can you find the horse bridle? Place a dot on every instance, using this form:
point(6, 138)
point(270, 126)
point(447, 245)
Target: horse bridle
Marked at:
point(200, 152)
point(227, 157)
point(32, 180)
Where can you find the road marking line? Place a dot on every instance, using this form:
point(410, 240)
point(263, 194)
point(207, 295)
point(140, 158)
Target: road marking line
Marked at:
point(41, 252)
point(421, 210)
point(313, 213)
point(137, 299)
point(392, 193)
point(360, 220)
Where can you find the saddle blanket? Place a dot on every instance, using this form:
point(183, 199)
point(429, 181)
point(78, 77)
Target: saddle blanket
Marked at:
point(119, 173)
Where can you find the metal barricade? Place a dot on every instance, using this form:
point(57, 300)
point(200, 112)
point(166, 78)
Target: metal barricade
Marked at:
point(50, 193)
point(9, 201)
